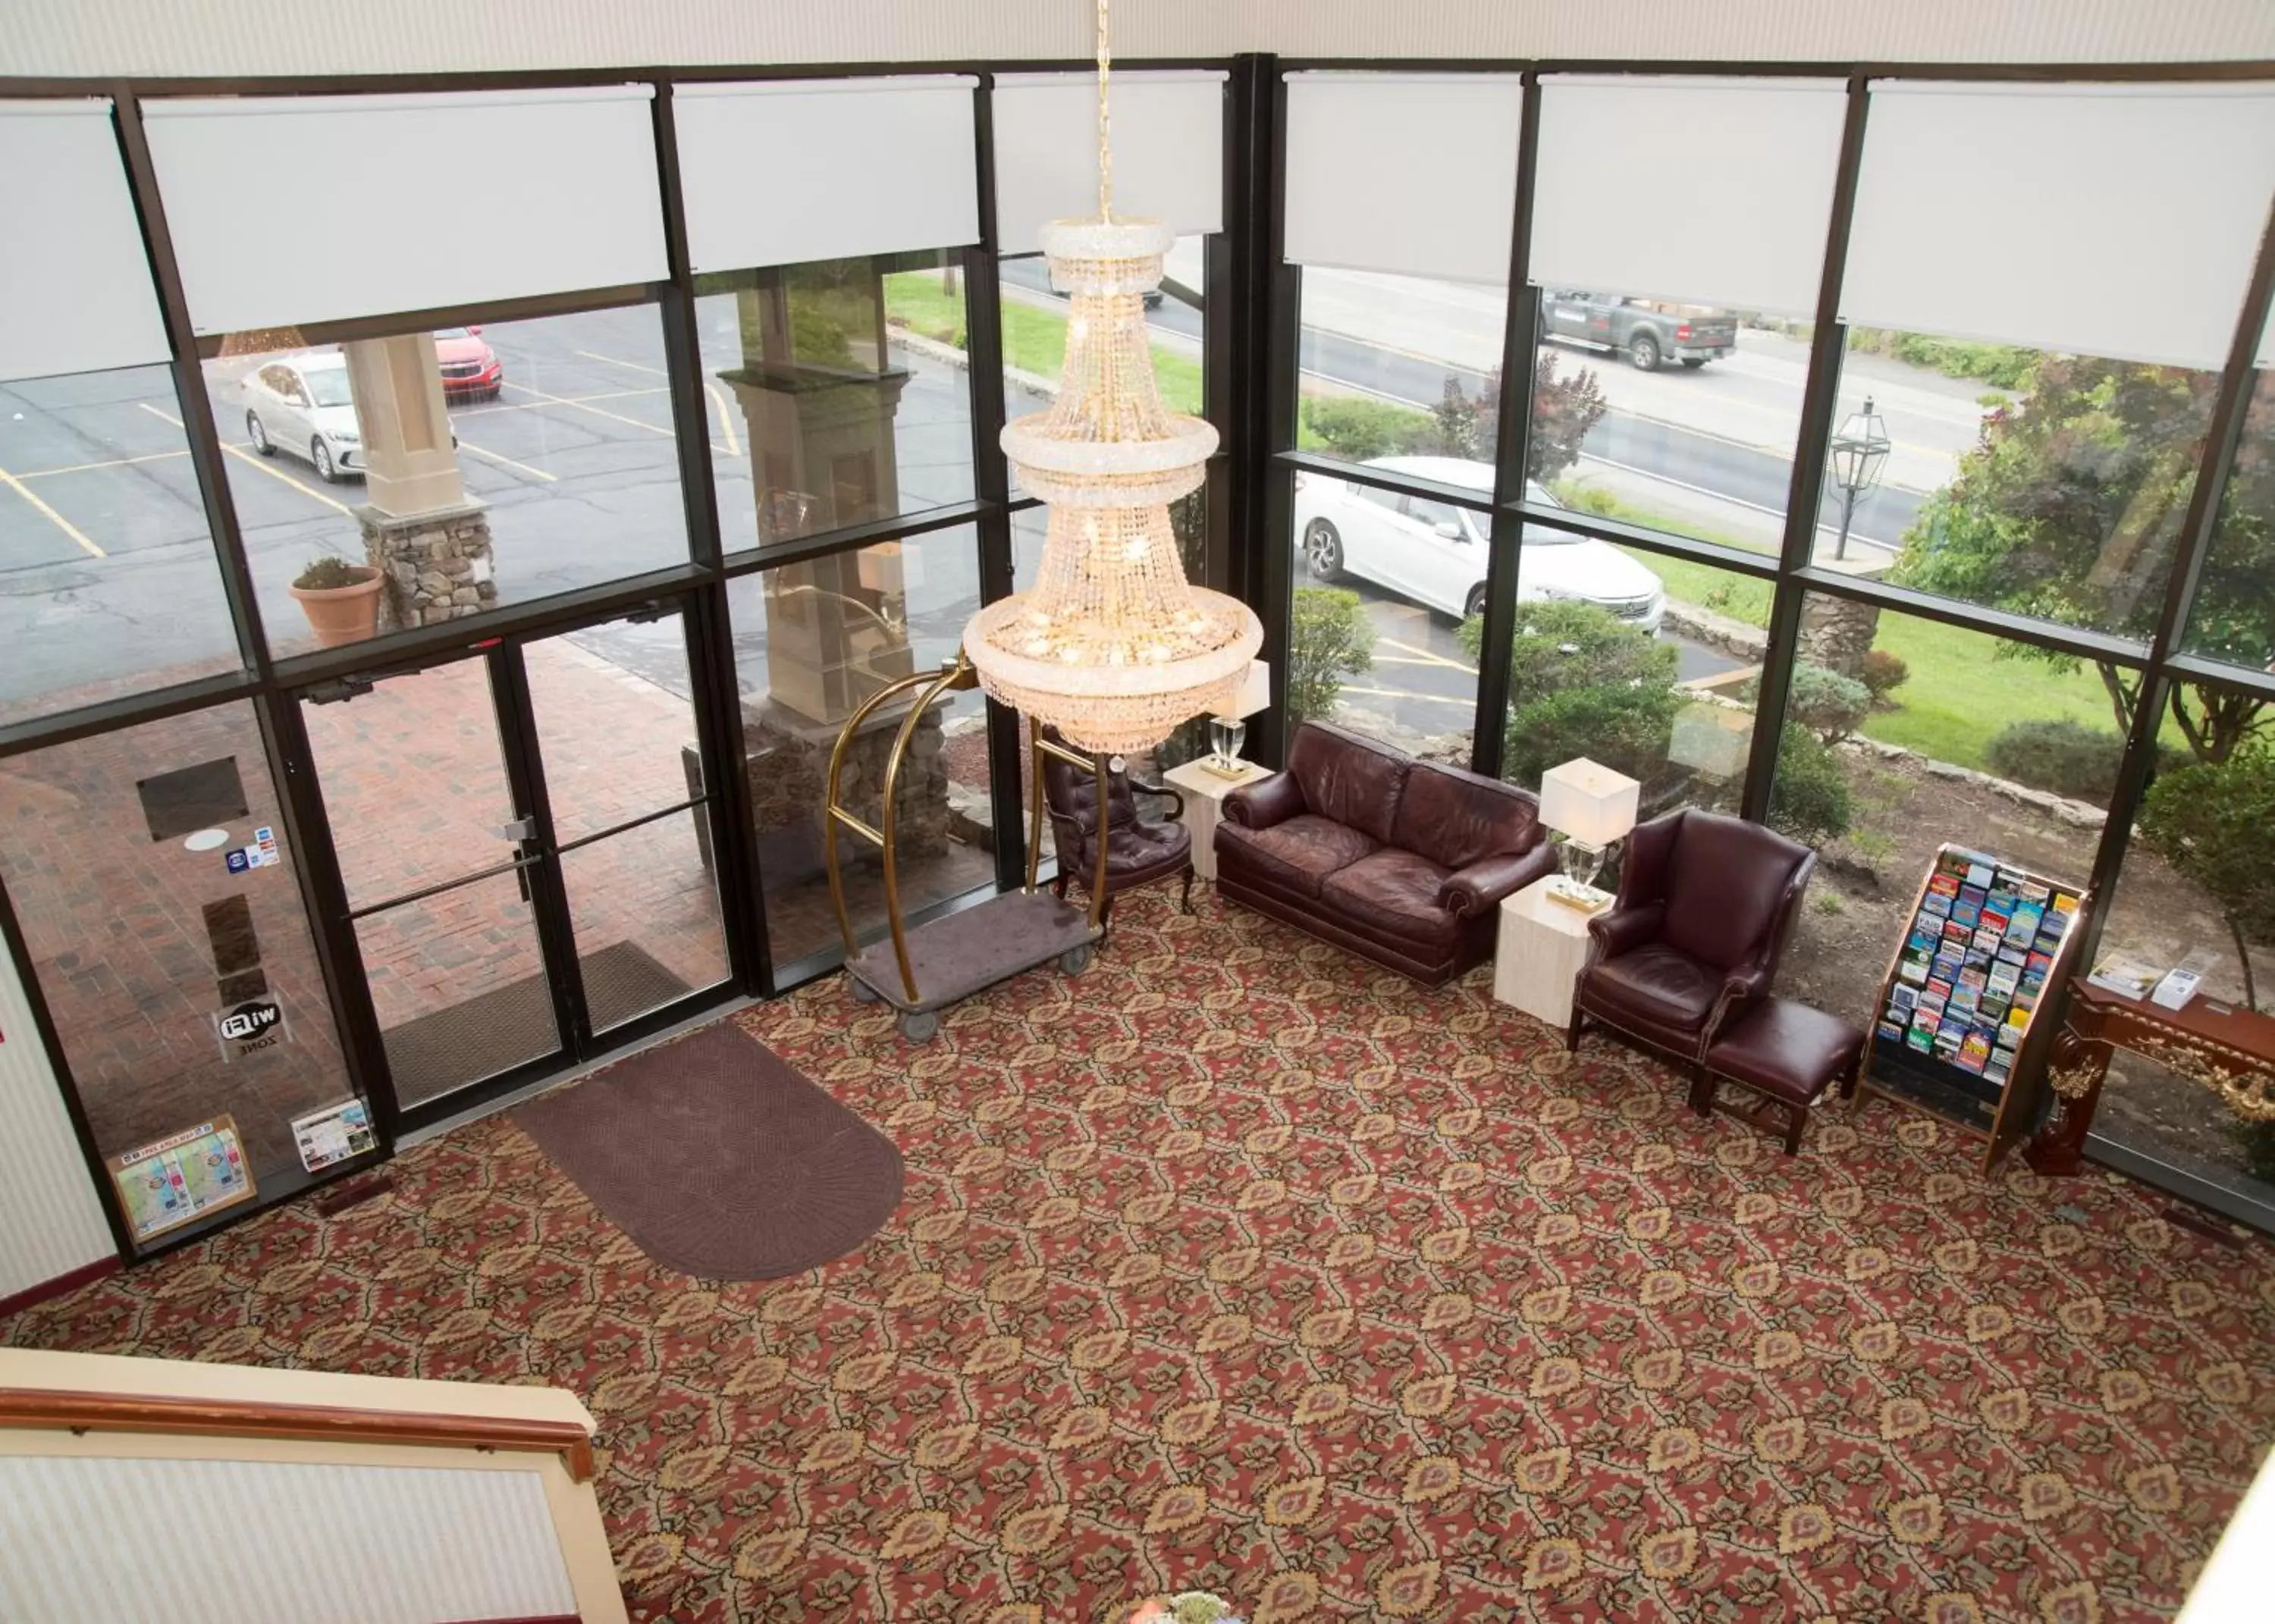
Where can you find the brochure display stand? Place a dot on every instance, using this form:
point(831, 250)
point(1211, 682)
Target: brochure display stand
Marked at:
point(1955, 1033)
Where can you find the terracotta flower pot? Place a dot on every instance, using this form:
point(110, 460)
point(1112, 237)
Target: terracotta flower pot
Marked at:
point(340, 615)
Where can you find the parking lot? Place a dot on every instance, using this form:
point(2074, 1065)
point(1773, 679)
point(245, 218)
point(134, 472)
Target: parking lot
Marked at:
point(108, 578)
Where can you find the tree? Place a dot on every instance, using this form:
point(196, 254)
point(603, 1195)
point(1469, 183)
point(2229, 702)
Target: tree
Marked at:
point(1582, 682)
point(1329, 638)
point(2069, 507)
point(2209, 822)
point(1563, 410)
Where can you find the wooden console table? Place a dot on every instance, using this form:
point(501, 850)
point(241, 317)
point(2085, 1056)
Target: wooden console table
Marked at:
point(2227, 1050)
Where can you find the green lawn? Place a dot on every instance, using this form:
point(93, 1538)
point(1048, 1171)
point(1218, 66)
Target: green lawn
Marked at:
point(1035, 339)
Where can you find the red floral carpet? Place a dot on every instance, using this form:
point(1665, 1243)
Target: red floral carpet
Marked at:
point(1234, 1264)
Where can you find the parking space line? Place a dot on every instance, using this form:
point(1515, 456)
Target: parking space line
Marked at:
point(115, 461)
point(1423, 656)
point(250, 460)
point(563, 400)
point(52, 516)
point(726, 415)
point(465, 444)
point(1466, 699)
point(487, 407)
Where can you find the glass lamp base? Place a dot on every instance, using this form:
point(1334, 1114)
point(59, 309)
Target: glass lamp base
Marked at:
point(1227, 734)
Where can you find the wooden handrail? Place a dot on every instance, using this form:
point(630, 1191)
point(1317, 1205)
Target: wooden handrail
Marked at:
point(57, 1410)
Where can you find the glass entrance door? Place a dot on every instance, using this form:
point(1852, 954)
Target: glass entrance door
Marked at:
point(523, 840)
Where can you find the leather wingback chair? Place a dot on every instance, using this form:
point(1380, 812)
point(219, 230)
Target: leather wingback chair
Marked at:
point(1136, 853)
point(1704, 906)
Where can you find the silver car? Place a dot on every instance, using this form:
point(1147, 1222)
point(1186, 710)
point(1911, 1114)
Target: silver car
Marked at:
point(301, 404)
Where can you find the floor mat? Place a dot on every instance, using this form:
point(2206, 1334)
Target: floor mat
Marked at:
point(719, 1159)
point(469, 1041)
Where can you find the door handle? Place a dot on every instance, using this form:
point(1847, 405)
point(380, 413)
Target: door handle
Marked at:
point(517, 831)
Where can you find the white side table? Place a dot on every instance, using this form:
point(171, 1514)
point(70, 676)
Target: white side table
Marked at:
point(1204, 792)
point(1542, 946)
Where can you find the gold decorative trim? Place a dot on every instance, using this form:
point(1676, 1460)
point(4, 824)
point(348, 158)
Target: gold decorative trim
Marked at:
point(2244, 1081)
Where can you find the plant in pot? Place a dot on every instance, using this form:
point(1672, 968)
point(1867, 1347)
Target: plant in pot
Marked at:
point(340, 599)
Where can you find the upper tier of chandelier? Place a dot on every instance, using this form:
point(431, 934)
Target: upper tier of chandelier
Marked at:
point(1111, 644)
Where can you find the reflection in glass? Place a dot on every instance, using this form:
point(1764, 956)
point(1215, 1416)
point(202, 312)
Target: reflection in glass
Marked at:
point(645, 913)
point(140, 944)
point(456, 470)
point(112, 584)
point(836, 394)
point(812, 641)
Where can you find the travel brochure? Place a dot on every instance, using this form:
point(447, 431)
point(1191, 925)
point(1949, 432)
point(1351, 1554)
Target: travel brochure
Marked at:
point(1974, 964)
point(183, 1177)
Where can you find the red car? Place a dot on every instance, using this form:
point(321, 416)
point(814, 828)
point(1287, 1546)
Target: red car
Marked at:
point(470, 369)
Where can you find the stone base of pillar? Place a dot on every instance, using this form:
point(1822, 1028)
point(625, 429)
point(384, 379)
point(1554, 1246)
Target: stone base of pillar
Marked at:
point(437, 566)
point(787, 765)
point(1837, 632)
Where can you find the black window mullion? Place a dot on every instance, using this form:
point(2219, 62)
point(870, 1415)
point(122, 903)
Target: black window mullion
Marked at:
point(709, 626)
point(1820, 400)
point(549, 893)
point(1512, 453)
point(991, 481)
point(1271, 305)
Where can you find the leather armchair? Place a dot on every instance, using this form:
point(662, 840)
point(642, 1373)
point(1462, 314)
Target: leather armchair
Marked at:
point(1706, 906)
point(1136, 853)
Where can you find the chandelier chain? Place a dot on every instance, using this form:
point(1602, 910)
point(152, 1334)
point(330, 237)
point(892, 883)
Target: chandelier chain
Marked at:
point(1105, 140)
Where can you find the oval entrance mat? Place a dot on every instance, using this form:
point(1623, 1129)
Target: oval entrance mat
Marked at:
point(719, 1159)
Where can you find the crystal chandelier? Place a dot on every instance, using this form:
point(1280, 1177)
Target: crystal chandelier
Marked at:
point(1111, 646)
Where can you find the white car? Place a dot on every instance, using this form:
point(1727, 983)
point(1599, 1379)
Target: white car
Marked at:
point(300, 404)
point(1435, 552)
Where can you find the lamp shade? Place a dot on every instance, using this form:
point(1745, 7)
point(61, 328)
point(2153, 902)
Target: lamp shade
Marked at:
point(1588, 802)
point(1255, 691)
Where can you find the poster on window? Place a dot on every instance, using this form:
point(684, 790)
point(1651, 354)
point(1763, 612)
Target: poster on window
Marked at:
point(182, 1178)
point(333, 1134)
point(250, 1026)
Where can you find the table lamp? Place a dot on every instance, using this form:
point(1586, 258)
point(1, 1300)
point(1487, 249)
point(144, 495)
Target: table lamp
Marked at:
point(1590, 807)
point(1227, 732)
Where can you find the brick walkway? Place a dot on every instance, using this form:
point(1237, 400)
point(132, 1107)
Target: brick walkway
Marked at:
point(415, 791)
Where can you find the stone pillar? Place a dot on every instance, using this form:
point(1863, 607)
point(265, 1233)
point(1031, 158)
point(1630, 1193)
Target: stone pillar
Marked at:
point(421, 530)
point(1837, 632)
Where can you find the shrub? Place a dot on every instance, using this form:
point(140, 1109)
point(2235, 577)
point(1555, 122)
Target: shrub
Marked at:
point(331, 572)
point(1329, 638)
point(1361, 429)
point(2210, 822)
point(2066, 757)
point(1826, 703)
point(1883, 673)
point(1582, 682)
point(1810, 801)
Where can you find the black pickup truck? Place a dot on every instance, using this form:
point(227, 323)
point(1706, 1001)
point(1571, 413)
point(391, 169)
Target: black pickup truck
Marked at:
point(1646, 332)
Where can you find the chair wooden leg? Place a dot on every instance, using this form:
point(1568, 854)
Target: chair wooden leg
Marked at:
point(1850, 1078)
point(1572, 1031)
point(1796, 1118)
point(1059, 885)
point(1185, 892)
point(1702, 1087)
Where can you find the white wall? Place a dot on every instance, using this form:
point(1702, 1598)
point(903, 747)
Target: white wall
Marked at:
point(212, 37)
point(52, 1219)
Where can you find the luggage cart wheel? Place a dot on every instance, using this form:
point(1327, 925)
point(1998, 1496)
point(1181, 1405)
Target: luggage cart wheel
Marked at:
point(863, 993)
point(1074, 961)
point(919, 1025)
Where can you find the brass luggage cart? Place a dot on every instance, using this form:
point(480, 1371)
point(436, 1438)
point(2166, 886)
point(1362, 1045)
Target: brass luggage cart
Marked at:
point(921, 971)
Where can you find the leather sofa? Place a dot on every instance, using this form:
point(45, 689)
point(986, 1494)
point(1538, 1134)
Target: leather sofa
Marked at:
point(1692, 941)
point(1401, 862)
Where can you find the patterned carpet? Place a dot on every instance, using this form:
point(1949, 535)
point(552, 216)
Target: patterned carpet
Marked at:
point(1234, 1264)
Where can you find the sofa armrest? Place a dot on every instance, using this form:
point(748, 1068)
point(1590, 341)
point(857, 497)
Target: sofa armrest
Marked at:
point(1623, 930)
point(1260, 806)
point(1481, 886)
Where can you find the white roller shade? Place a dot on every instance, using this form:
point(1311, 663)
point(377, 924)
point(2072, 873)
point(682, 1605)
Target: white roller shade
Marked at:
point(1409, 173)
point(291, 209)
point(75, 291)
point(1713, 190)
point(2101, 219)
point(1168, 151)
point(796, 170)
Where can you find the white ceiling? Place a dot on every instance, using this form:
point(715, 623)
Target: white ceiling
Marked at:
point(220, 38)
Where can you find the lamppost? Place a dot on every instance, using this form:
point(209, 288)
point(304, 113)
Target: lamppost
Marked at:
point(1860, 452)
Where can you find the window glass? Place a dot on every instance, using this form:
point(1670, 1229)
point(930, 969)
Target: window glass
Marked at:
point(112, 583)
point(1375, 641)
point(2234, 616)
point(2045, 484)
point(426, 477)
point(1401, 367)
point(149, 927)
point(2198, 888)
point(812, 641)
point(1619, 659)
point(1674, 415)
point(837, 392)
point(1883, 709)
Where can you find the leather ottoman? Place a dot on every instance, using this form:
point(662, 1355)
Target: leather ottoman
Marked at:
point(1786, 1052)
